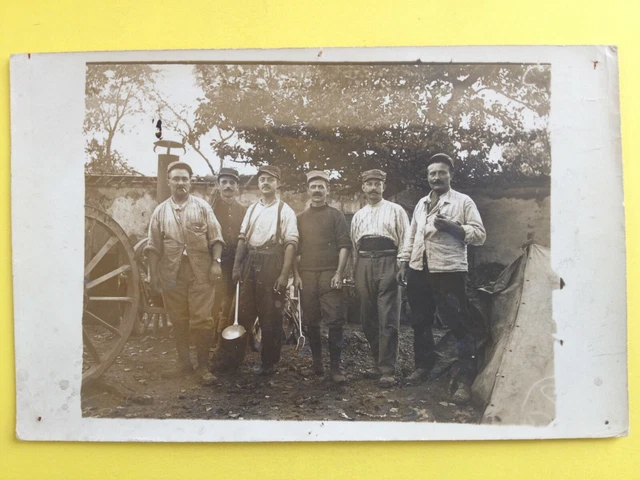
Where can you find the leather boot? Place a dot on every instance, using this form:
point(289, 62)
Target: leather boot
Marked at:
point(202, 339)
point(183, 365)
point(315, 341)
point(335, 351)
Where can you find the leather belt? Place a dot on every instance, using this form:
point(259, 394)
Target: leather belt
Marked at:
point(268, 250)
point(377, 253)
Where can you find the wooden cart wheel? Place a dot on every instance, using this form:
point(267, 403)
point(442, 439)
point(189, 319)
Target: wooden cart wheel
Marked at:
point(111, 293)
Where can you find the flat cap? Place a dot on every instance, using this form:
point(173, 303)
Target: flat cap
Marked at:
point(270, 170)
point(374, 174)
point(441, 158)
point(229, 172)
point(313, 174)
point(179, 164)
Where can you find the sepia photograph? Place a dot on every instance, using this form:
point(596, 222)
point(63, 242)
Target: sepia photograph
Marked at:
point(317, 241)
point(372, 224)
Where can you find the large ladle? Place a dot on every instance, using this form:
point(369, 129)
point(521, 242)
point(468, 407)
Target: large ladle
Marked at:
point(232, 332)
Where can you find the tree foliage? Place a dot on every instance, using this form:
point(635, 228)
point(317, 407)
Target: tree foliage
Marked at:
point(349, 118)
point(112, 93)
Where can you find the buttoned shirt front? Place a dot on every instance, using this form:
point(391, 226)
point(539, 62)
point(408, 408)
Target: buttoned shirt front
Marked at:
point(184, 232)
point(384, 219)
point(230, 216)
point(259, 225)
point(444, 251)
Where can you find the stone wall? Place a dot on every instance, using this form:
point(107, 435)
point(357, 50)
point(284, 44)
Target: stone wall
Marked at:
point(512, 215)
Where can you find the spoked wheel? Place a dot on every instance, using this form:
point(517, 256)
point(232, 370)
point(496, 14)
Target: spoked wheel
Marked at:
point(111, 293)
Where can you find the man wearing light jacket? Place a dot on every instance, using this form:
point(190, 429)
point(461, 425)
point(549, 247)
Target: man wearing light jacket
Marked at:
point(443, 224)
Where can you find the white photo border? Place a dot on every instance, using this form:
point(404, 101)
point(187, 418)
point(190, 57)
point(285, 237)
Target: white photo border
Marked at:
point(587, 249)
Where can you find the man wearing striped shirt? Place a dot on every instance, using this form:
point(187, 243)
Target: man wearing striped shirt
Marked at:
point(378, 233)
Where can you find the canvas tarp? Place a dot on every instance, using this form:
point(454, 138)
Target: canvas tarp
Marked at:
point(516, 385)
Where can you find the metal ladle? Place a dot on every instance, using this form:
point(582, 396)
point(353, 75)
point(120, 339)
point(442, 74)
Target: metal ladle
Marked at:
point(234, 331)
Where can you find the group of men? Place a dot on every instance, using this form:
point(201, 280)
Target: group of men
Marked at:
point(198, 253)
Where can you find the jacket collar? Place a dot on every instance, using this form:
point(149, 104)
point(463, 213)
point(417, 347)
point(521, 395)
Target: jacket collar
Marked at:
point(446, 198)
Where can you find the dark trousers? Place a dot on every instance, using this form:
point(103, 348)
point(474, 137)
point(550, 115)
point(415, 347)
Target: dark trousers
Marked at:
point(222, 312)
point(258, 299)
point(380, 303)
point(320, 301)
point(447, 293)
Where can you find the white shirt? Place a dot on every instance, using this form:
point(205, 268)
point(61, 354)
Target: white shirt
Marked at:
point(384, 219)
point(261, 219)
point(445, 252)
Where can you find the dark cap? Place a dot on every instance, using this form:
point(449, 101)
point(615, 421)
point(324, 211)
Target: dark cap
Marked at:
point(229, 172)
point(374, 174)
point(441, 158)
point(270, 170)
point(312, 175)
point(179, 164)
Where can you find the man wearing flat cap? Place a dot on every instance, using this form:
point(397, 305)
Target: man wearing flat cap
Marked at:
point(323, 251)
point(229, 214)
point(378, 233)
point(443, 224)
point(266, 246)
point(185, 244)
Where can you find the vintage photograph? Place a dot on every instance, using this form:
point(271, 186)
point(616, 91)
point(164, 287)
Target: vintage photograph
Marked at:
point(359, 244)
point(319, 241)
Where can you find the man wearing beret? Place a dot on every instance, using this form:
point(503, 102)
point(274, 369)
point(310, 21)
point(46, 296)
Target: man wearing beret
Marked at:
point(266, 246)
point(323, 251)
point(378, 234)
point(230, 214)
point(185, 244)
point(443, 224)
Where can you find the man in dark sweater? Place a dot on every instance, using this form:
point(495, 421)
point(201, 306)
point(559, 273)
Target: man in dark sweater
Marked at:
point(229, 214)
point(323, 250)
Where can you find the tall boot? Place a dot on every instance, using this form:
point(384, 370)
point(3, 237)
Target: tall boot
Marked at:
point(202, 339)
point(336, 338)
point(183, 365)
point(315, 341)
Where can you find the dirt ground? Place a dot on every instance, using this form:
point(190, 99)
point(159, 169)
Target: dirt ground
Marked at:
point(133, 388)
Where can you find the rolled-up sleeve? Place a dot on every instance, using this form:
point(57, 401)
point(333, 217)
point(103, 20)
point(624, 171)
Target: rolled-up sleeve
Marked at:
point(474, 232)
point(342, 231)
point(245, 223)
point(289, 226)
point(155, 241)
point(402, 229)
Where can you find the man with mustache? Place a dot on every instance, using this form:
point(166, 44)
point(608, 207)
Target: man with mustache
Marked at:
point(230, 214)
point(266, 246)
point(324, 251)
point(443, 224)
point(378, 234)
point(184, 248)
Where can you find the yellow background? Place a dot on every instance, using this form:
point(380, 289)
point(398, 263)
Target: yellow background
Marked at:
point(67, 26)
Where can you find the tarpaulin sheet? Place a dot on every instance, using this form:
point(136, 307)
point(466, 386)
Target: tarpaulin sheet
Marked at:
point(516, 385)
